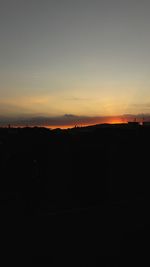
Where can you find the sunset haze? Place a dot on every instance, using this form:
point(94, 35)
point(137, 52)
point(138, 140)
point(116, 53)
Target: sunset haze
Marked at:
point(84, 58)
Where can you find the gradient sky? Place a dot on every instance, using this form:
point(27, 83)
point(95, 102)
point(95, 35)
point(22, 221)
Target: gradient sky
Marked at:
point(82, 57)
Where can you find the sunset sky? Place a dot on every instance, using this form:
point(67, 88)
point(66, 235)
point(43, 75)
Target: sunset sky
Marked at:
point(79, 57)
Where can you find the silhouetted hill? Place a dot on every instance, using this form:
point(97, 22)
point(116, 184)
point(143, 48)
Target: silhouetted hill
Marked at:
point(94, 178)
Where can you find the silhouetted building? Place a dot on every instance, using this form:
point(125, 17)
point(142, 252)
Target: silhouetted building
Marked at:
point(146, 123)
point(133, 123)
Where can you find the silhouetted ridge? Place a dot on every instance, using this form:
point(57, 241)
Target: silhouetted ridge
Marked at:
point(98, 174)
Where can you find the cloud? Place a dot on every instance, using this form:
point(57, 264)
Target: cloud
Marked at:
point(78, 98)
point(69, 120)
point(69, 116)
point(141, 105)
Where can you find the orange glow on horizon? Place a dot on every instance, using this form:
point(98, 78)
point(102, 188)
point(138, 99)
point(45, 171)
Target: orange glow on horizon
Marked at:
point(109, 121)
point(116, 121)
point(75, 123)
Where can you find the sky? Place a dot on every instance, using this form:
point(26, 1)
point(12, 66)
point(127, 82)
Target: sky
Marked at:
point(82, 58)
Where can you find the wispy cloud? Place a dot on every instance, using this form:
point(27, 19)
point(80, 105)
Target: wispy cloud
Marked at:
point(73, 98)
point(69, 120)
point(141, 105)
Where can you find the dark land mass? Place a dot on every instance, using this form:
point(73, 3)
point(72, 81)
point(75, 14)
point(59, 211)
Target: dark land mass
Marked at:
point(91, 184)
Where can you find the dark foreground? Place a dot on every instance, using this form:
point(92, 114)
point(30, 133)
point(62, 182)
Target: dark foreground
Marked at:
point(82, 194)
